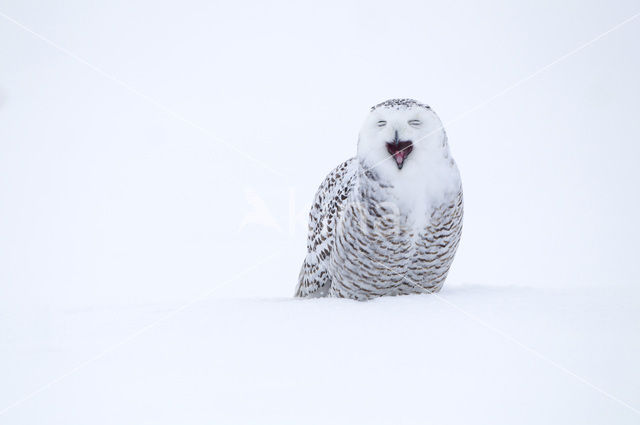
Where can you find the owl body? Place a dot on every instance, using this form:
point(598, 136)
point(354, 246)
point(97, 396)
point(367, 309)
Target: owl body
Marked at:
point(377, 228)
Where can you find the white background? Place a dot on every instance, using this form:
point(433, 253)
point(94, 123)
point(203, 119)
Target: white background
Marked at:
point(151, 151)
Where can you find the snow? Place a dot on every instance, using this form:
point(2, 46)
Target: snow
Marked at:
point(476, 353)
point(146, 268)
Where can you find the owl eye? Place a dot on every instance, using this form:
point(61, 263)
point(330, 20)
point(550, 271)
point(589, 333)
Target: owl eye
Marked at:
point(415, 123)
point(382, 123)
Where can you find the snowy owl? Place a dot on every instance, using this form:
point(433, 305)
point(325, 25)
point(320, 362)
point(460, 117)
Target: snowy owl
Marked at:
point(388, 221)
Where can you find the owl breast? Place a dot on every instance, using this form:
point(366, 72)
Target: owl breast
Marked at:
point(382, 249)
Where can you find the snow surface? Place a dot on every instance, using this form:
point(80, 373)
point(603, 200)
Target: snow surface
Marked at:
point(124, 197)
point(413, 360)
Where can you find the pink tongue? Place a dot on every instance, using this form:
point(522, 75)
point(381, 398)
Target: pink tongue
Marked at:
point(399, 156)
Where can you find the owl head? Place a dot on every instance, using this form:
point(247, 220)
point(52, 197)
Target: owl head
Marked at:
point(401, 136)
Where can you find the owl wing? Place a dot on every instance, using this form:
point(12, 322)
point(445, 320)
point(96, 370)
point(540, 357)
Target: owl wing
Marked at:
point(314, 279)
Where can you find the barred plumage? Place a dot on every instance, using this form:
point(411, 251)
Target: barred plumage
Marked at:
point(377, 230)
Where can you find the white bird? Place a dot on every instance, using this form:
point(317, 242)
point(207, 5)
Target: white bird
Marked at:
point(387, 222)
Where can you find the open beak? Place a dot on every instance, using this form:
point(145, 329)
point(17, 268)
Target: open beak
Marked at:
point(399, 150)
